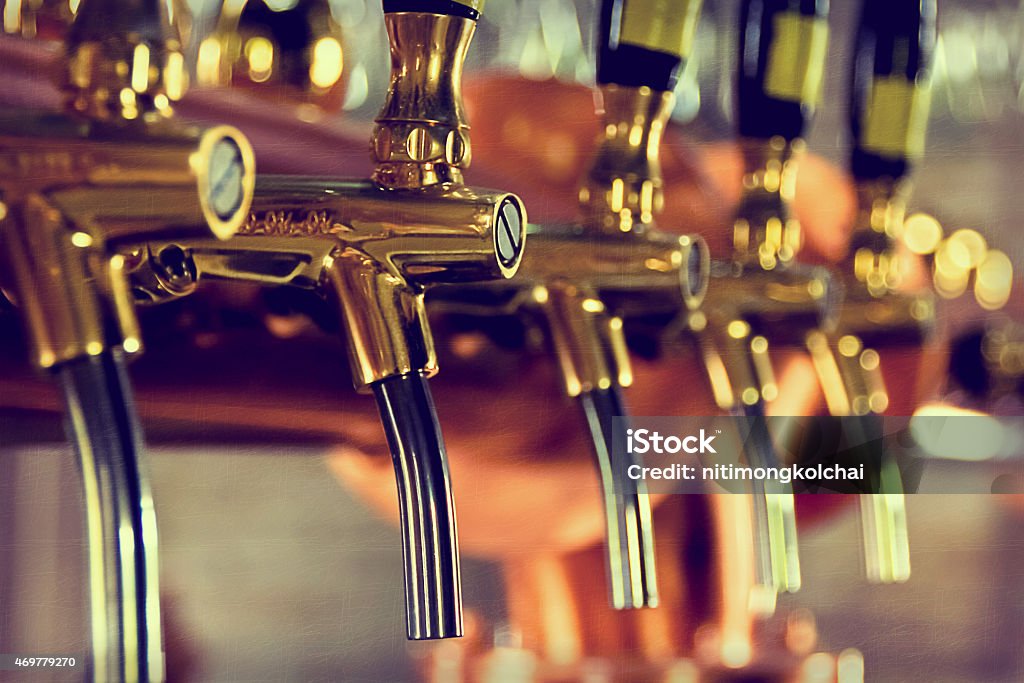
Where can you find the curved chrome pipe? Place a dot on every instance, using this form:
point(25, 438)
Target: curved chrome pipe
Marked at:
point(630, 528)
point(430, 546)
point(776, 553)
point(120, 521)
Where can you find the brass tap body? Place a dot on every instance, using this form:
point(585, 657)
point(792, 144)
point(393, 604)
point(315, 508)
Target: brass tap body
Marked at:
point(760, 297)
point(376, 245)
point(114, 171)
point(746, 308)
point(373, 250)
point(77, 192)
point(585, 279)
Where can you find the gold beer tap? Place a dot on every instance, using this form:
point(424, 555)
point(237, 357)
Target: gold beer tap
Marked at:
point(75, 188)
point(292, 54)
point(754, 299)
point(889, 107)
point(581, 283)
point(888, 116)
point(761, 296)
point(44, 19)
point(373, 247)
point(849, 369)
point(890, 77)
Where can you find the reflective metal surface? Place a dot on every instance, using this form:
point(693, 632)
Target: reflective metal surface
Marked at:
point(121, 532)
point(75, 187)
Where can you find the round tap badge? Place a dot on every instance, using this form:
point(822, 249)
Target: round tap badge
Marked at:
point(509, 232)
point(831, 299)
point(694, 274)
point(226, 173)
point(227, 179)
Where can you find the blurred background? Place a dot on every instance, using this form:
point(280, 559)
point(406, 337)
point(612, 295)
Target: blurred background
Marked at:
point(275, 572)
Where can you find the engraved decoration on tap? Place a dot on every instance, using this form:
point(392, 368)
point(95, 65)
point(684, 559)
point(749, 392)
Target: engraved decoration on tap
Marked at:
point(286, 223)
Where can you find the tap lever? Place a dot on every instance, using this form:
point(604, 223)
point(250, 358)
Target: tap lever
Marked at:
point(421, 137)
point(781, 66)
point(890, 87)
point(433, 587)
point(123, 61)
point(890, 97)
point(640, 45)
point(640, 56)
point(468, 9)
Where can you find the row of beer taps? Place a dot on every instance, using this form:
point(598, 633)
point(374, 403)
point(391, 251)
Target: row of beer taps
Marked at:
point(116, 203)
